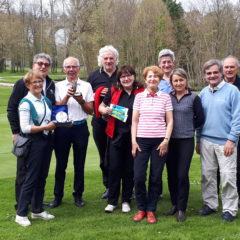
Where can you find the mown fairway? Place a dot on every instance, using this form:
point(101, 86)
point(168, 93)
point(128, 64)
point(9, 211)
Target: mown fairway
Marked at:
point(90, 222)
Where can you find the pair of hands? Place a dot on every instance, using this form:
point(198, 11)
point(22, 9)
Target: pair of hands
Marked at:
point(162, 148)
point(228, 148)
point(70, 93)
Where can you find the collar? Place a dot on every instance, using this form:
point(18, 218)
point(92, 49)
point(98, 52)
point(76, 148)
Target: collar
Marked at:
point(32, 98)
point(101, 70)
point(146, 93)
point(70, 84)
point(219, 86)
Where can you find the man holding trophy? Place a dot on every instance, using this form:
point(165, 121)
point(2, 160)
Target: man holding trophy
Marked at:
point(77, 98)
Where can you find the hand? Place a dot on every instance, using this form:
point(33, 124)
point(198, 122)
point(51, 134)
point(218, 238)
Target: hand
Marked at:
point(107, 111)
point(70, 92)
point(104, 92)
point(135, 148)
point(197, 148)
point(228, 148)
point(14, 136)
point(78, 98)
point(50, 126)
point(163, 148)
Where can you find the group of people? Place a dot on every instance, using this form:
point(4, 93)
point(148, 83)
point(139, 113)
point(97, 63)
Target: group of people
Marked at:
point(162, 116)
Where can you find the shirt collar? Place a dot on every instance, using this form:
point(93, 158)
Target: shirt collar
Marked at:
point(32, 98)
point(219, 86)
point(146, 93)
point(70, 84)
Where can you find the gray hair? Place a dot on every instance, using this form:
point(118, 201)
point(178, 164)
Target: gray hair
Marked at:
point(42, 55)
point(231, 57)
point(211, 63)
point(180, 72)
point(107, 48)
point(73, 58)
point(166, 52)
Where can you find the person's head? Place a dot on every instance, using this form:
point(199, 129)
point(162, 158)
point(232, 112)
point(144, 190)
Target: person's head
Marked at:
point(108, 58)
point(166, 60)
point(34, 82)
point(126, 78)
point(179, 80)
point(41, 64)
point(231, 68)
point(212, 70)
point(71, 66)
point(152, 76)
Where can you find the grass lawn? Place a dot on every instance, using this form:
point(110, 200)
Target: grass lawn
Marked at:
point(90, 222)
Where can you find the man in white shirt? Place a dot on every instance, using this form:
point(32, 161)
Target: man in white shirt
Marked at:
point(79, 100)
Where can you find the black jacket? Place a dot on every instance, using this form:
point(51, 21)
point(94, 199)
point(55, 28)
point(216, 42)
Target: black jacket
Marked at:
point(18, 93)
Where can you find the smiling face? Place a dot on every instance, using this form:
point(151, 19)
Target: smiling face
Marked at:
point(213, 76)
point(166, 64)
point(230, 69)
point(71, 68)
point(179, 83)
point(109, 61)
point(41, 66)
point(127, 80)
point(152, 80)
point(34, 82)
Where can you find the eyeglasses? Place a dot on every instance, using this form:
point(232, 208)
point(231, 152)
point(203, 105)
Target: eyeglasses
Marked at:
point(40, 64)
point(125, 76)
point(69, 67)
point(37, 82)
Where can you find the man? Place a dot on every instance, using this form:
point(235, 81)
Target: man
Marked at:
point(217, 140)
point(41, 65)
point(231, 67)
point(166, 61)
point(101, 80)
point(80, 104)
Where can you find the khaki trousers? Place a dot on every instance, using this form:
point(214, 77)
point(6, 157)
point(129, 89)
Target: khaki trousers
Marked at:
point(212, 156)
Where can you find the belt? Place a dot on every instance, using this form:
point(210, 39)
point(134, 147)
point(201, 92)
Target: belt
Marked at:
point(79, 122)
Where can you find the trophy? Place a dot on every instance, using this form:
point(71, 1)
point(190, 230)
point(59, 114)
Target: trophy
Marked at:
point(75, 89)
point(60, 115)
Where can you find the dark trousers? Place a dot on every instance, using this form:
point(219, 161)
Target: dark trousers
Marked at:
point(65, 137)
point(36, 167)
point(178, 163)
point(147, 201)
point(100, 139)
point(120, 169)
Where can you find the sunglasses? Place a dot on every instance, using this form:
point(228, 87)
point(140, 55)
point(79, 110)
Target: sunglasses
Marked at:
point(40, 64)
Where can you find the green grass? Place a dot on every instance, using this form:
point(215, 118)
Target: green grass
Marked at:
point(90, 222)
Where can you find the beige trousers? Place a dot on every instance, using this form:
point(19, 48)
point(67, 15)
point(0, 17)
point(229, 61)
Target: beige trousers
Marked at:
point(212, 156)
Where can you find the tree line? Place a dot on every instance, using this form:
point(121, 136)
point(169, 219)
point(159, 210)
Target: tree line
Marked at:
point(139, 29)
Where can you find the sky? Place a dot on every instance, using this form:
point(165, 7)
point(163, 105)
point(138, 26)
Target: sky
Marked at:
point(186, 4)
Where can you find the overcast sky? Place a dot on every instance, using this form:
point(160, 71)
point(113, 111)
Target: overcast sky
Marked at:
point(186, 4)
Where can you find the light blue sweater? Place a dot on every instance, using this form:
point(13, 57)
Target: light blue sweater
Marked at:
point(222, 114)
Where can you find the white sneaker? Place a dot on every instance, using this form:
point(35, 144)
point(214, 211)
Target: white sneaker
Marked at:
point(23, 221)
point(110, 208)
point(43, 215)
point(126, 207)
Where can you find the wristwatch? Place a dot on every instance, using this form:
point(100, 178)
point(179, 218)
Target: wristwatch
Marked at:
point(82, 102)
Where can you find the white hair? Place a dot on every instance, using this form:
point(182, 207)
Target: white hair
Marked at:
point(231, 57)
point(166, 52)
point(105, 49)
point(73, 58)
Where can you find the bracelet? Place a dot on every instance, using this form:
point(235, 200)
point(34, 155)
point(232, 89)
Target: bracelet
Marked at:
point(166, 138)
point(82, 102)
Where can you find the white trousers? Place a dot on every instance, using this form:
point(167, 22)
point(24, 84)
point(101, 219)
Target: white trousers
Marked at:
point(212, 156)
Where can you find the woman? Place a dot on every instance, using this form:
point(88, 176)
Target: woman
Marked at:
point(35, 116)
point(187, 115)
point(119, 133)
point(152, 123)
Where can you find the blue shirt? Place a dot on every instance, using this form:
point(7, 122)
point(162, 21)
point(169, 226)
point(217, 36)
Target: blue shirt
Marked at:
point(165, 86)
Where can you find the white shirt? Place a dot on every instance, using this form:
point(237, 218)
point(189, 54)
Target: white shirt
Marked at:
point(25, 118)
point(75, 111)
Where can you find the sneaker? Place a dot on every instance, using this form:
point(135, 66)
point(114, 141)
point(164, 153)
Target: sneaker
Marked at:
point(110, 208)
point(206, 210)
point(43, 215)
point(23, 221)
point(126, 207)
point(227, 216)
